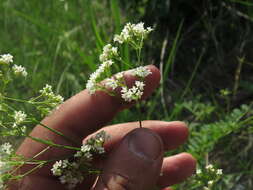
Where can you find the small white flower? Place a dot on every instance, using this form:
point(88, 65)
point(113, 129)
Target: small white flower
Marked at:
point(209, 167)
point(139, 85)
point(108, 52)
point(119, 76)
point(210, 183)
point(141, 72)
point(86, 148)
point(126, 94)
point(198, 171)
point(6, 58)
point(52, 99)
point(6, 148)
point(19, 70)
point(219, 172)
point(59, 166)
point(91, 85)
point(46, 90)
point(19, 117)
point(106, 64)
point(133, 93)
point(118, 38)
point(130, 31)
point(111, 83)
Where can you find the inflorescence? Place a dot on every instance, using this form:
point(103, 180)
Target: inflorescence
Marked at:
point(71, 172)
point(133, 34)
point(207, 177)
point(7, 60)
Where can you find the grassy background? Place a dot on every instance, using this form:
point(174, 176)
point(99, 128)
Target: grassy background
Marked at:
point(201, 47)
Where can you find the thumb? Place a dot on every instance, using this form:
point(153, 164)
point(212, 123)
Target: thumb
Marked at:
point(135, 164)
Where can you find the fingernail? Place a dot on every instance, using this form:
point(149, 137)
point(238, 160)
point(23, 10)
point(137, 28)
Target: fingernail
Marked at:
point(145, 144)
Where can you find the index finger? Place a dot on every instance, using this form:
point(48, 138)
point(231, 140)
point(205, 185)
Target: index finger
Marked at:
point(79, 116)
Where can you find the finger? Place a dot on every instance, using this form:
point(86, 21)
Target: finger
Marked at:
point(79, 116)
point(173, 134)
point(135, 164)
point(176, 169)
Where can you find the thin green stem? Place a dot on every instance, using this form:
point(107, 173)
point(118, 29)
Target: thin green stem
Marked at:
point(29, 160)
point(50, 143)
point(57, 132)
point(25, 101)
point(122, 61)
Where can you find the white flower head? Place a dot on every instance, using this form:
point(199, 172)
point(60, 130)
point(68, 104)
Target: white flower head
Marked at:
point(209, 167)
point(210, 183)
point(131, 31)
point(46, 90)
point(219, 172)
point(85, 148)
point(59, 166)
point(6, 58)
point(19, 70)
point(141, 72)
point(94, 79)
point(19, 117)
point(119, 76)
point(111, 83)
point(108, 53)
point(134, 93)
point(118, 38)
point(6, 148)
point(198, 171)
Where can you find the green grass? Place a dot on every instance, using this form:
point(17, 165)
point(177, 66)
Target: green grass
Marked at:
point(59, 42)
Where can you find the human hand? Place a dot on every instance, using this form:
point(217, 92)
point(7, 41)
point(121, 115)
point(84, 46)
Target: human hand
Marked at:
point(134, 156)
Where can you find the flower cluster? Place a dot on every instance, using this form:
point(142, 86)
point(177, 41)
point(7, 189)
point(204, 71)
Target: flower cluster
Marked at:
point(19, 117)
point(131, 31)
point(134, 93)
point(71, 173)
point(19, 70)
point(107, 56)
point(93, 82)
point(208, 176)
point(51, 100)
point(93, 146)
point(6, 59)
point(109, 52)
point(68, 172)
point(213, 170)
point(6, 152)
point(6, 149)
point(141, 72)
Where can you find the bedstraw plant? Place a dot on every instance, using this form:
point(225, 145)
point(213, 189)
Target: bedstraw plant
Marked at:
point(16, 122)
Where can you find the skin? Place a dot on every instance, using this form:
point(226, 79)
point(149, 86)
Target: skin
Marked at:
point(134, 156)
